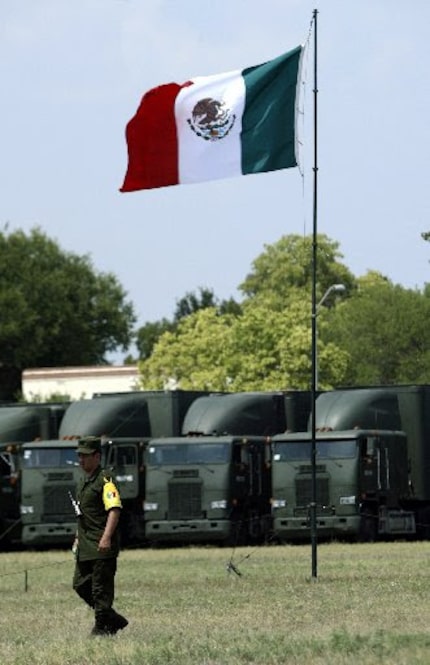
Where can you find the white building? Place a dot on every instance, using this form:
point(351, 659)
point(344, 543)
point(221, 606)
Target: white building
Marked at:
point(78, 382)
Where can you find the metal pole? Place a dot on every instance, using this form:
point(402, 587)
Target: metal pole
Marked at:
point(338, 288)
point(313, 505)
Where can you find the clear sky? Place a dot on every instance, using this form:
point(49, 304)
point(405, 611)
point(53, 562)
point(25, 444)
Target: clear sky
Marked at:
point(73, 74)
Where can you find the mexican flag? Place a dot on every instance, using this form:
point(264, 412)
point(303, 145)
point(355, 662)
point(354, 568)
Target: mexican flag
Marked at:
point(217, 126)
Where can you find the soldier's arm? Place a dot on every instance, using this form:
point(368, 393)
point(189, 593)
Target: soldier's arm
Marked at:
point(111, 525)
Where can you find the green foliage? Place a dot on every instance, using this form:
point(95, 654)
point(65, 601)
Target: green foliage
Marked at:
point(47, 399)
point(385, 329)
point(374, 333)
point(192, 302)
point(56, 310)
point(286, 267)
point(193, 355)
point(262, 349)
point(262, 344)
point(148, 335)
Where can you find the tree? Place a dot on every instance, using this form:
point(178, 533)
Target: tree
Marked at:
point(148, 334)
point(263, 343)
point(376, 333)
point(192, 302)
point(285, 268)
point(262, 349)
point(385, 328)
point(193, 356)
point(56, 309)
point(271, 350)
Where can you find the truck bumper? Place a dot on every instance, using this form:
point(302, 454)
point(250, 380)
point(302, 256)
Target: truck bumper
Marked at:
point(188, 530)
point(48, 534)
point(295, 528)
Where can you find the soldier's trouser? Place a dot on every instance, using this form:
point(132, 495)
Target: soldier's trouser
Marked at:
point(94, 582)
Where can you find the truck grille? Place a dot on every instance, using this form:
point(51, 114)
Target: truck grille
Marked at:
point(185, 501)
point(304, 492)
point(56, 503)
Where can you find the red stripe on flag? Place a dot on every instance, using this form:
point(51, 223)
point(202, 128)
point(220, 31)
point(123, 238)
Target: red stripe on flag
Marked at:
point(152, 141)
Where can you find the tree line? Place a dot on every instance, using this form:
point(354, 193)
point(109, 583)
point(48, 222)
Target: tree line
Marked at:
point(374, 332)
point(58, 310)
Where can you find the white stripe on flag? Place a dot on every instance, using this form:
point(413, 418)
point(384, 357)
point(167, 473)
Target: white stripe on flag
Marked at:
point(201, 159)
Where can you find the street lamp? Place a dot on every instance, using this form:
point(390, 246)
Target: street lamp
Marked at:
point(334, 288)
point(313, 504)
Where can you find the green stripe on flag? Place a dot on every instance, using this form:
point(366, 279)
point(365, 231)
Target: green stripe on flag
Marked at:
point(268, 122)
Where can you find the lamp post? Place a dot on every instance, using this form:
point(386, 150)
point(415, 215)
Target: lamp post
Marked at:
point(313, 504)
point(334, 288)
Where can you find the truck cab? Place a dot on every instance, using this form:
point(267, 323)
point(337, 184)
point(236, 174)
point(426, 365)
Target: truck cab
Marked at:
point(361, 480)
point(50, 471)
point(207, 489)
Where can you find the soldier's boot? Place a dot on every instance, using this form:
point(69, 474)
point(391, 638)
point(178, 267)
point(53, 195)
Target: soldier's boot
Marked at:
point(101, 626)
point(100, 630)
point(116, 622)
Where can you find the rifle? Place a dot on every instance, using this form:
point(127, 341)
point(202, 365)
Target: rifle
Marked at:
point(75, 504)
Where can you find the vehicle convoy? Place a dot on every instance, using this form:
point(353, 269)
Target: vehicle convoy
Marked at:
point(18, 423)
point(239, 481)
point(50, 473)
point(369, 483)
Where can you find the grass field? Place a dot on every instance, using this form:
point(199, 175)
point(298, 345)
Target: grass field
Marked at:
point(370, 605)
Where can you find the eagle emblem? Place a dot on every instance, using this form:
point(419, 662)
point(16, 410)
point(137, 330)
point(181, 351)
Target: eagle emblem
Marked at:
point(211, 120)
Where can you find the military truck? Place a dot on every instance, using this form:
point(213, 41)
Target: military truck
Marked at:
point(406, 511)
point(360, 474)
point(24, 421)
point(18, 423)
point(213, 483)
point(207, 489)
point(50, 474)
point(50, 468)
point(140, 413)
point(257, 413)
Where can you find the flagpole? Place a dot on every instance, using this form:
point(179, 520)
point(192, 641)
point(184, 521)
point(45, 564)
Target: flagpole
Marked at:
point(313, 505)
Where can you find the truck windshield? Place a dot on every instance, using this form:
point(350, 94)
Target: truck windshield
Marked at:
point(301, 451)
point(36, 458)
point(188, 453)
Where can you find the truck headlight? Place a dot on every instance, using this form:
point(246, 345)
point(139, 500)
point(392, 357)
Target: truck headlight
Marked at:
point(26, 510)
point(279, 503)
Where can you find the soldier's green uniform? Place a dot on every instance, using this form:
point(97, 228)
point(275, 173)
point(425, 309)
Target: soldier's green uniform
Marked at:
point(95, 570)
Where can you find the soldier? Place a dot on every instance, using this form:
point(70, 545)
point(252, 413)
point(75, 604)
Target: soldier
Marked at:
point(97, 539)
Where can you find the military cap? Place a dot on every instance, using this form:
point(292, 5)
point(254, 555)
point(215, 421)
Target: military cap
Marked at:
point(89, 445)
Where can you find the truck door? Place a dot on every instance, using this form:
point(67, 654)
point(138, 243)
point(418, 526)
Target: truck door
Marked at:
point(369, 467)
point(375, 466)
point(123, 460)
